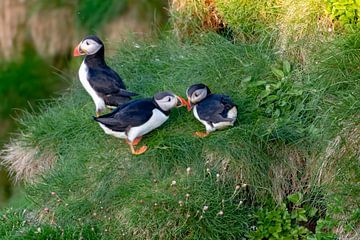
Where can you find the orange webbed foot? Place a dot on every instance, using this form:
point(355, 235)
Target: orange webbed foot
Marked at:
point(136, 141)
point(201, 134)
point(140, 150)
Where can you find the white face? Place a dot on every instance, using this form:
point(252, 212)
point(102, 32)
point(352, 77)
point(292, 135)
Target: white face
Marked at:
point(167, 102)
point(198, 95)
point(89, 47)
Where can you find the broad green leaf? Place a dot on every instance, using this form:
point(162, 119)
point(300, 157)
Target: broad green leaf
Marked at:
point(286, 67)
point(278, 72)
point(312, 212)
point(258, 83)
point(247, 79)
point(295, 198)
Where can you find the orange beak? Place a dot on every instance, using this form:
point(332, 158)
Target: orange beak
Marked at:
point(77, 51)
point(188, 104)
point(182, 101)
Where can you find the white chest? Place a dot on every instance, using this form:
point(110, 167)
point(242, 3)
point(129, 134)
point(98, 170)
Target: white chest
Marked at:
point(156, 120)
point(83, 76)
point(196, 115)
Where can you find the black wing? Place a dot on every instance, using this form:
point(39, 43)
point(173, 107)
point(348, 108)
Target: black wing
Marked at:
point(131, 114)
point(214, 108)
point(106, 81)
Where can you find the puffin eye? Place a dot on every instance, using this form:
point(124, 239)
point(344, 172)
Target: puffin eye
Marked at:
point(169, 99)
point(87, 43)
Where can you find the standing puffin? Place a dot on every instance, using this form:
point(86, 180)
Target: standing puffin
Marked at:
point(134, 119)
point(215, 111)
point(102, 83)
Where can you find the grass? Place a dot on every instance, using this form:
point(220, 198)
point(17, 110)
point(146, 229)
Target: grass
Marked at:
point(288, 114)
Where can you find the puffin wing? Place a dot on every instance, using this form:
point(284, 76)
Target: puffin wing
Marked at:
point(131, 114)
point(214, 108)
point(107, 82)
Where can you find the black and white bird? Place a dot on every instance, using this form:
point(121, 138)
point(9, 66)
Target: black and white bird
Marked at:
point(102, 83)
point(136, 118)
point(214, 111)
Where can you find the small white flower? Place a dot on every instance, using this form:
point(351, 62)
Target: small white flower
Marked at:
point(53, 193)
point(329, 29)
point(208, 170)
point(243, 185)
point(188, 170)
point(38, 230)
point(136, 45)
point(220, 213)
point(217, 175)
point(173, 183)
point(241, 202)
point(94, 214)
point(181, 203)
point(205, 208)
point(187, 196)
point(237, 187)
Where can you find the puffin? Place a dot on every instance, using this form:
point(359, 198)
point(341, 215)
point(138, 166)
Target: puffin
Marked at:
point(214, 111)
point(102, 83)
point(132, 120)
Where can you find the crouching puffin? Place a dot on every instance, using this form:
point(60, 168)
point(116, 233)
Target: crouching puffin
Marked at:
point(215, 111)
point(102, 83)
point(134, 119)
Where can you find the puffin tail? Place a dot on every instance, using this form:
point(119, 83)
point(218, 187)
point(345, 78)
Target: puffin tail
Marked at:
point(125, 93)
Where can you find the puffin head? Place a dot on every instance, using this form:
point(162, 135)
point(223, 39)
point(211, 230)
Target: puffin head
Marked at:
point(88, 46)
point(196, 93)
point(167, 100)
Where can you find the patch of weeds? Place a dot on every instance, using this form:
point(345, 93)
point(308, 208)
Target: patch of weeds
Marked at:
point(290, 221)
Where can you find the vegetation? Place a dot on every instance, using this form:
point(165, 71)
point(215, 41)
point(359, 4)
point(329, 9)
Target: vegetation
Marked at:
point(288, 169)
point(346, 12)
point(93, 14)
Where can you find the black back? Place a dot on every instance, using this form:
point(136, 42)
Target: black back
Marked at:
point(105, 81)
point(131, 114)
point(214, 108)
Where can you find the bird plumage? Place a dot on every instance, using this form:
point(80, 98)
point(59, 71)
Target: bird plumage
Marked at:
point(214, 111)
point(103, 84)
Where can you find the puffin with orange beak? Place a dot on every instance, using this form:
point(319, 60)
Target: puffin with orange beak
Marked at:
point(102, 83)
point(214, 111)
point(136, 118)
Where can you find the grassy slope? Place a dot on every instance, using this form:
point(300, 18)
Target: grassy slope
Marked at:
point(102, 191)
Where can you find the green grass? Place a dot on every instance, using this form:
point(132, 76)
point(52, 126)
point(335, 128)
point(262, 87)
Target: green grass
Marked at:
point(279, 145)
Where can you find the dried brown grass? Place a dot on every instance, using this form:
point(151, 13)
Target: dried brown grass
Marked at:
point(302, 25)
point(192, 16)
point(292, 173)
point(24, 162)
